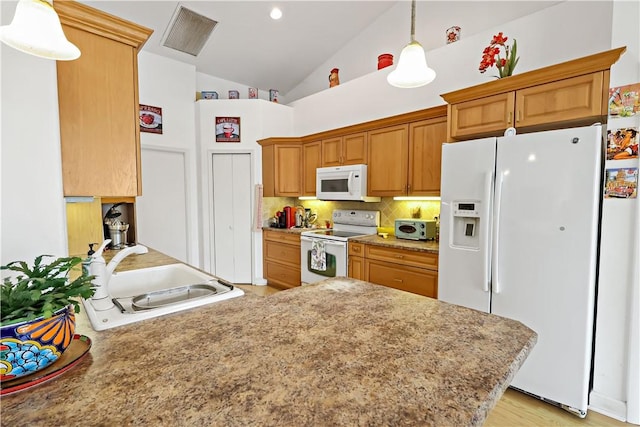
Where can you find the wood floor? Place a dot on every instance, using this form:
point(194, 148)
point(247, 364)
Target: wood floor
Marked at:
point(515, 409)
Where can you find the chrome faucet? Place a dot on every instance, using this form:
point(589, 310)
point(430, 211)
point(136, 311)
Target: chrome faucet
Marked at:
point(102, 271)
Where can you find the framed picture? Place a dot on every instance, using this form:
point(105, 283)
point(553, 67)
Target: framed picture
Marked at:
point(622, 143)
point(624, 101)
point(150, 119)
point(227, 129)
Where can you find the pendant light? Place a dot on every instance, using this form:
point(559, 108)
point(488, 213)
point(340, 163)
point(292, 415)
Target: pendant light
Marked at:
point(36, 30)
point(412, 70)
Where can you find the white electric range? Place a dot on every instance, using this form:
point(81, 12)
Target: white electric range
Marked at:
point(324, 252)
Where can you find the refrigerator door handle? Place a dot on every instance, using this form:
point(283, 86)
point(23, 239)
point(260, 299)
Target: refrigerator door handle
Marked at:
point(496, 234)
point(486, 264)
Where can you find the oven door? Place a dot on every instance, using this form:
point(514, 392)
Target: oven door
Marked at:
point(336, 260)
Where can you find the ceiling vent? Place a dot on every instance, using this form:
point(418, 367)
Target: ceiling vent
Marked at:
point(188, 31)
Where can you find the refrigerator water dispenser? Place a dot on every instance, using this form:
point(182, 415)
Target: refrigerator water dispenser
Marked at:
point(466, 220)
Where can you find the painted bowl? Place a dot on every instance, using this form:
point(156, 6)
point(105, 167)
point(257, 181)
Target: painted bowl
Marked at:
point(29, 346)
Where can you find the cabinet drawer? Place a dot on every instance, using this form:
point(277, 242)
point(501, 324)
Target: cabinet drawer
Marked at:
point(414, 258)
point(280, 236)
point(416, 280)
point(282, 276)
point(282, 253)
point(356, 249)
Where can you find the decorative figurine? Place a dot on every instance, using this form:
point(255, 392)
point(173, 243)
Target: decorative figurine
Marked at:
point(334, 80)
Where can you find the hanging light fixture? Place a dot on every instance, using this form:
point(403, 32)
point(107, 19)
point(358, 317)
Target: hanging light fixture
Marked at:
point(412, 70)
point(36, 30)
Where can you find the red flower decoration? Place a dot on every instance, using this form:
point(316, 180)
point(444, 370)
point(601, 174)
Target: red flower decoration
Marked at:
point(491, 56)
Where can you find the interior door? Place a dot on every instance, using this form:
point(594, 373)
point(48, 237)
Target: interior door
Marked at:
point(162, 210)
point(232, 257)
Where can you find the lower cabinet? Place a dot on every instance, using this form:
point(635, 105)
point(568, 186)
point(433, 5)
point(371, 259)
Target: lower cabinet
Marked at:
point(407, 270)
point(281, 258)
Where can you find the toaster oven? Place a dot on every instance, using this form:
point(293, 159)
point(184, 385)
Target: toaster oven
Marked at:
point(415, 229)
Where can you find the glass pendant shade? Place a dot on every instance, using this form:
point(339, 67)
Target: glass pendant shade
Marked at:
point(412, 70)
point(36, 30)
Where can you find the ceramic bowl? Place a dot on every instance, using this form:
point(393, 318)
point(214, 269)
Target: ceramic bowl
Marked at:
point(32, 345)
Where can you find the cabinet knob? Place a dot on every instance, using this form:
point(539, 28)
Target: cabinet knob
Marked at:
point(400, 256)
point(397, 280)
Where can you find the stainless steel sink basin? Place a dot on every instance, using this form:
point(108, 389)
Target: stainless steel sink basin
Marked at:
point(151, 292)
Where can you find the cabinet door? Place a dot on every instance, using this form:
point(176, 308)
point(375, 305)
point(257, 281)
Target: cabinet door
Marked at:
point(332, 152)
point(484, 116)
point(98, 102)
point(288, 171)
point(354, 149)
point(577, 98)
point(356, 267)
point(425, 152)
point(311, 159)
point(410, 279)
point(388, 158)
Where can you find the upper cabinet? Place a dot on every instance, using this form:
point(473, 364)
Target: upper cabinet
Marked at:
point(573, 93)
point(425, 152)
point(98, 103)
point(404, 160)
point(311, 160)
point(282, 171)
point(345, 150)
point(388, 154)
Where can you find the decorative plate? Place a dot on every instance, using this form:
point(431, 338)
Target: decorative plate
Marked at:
point(78, 348)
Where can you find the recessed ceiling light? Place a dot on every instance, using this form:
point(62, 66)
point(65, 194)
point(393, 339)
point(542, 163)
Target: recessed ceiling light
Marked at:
point(275, 13)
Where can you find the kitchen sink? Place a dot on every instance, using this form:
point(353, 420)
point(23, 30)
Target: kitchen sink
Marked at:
point(156, 291)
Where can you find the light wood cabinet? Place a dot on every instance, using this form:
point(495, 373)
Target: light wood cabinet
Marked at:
point(407, 270)
point(405, 160)
point(311, 160)
point(98, 103)
point(388, 161)
point(282, 169)
point(573, 93)
point(345, 150)
point(289, 163)
point(356, 260)
point(411, 279)
point(425, 151)
point(281, 258)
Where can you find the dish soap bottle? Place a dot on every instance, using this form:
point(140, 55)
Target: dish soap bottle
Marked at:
point(87, 261)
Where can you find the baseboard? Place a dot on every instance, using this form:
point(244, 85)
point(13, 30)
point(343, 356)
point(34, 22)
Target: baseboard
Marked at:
point(604, 405)
point(259, 281)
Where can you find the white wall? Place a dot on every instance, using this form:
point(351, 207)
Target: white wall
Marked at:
point(571, 30)
point(33, 218)
point(205, 82)
point(258, 119)
point(162, 221)
point(617, 349)
point(390, 33)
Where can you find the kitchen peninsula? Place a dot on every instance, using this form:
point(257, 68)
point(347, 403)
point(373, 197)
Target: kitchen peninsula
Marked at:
point(341, 352)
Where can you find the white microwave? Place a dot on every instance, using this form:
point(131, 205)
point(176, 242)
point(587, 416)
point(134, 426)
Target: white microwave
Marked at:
point(343, 183)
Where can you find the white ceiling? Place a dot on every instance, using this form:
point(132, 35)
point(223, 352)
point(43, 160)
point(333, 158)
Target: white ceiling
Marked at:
point(250, 48)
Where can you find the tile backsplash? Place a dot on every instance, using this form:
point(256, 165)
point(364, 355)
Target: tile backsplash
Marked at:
point(390, 209)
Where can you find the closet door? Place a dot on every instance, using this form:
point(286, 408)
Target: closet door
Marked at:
point(232, 257)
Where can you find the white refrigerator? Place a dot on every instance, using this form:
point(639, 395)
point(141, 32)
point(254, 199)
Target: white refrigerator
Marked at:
point(519, 238)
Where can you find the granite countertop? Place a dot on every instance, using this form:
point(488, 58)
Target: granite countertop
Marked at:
point(391, 241)
point(341, 352)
